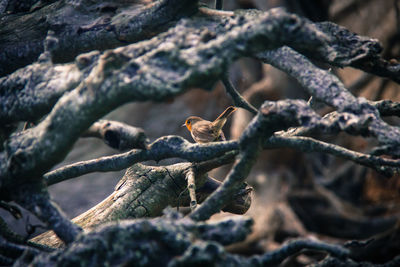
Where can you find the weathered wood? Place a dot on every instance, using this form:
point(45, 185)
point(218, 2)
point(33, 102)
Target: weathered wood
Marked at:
point(144, 191)
point(83, 26)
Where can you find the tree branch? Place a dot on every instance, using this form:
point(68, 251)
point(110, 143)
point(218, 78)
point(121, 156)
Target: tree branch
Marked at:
point(162, 148)
point(198, 49)
point(95, 26)
point(145, 191)
point(177, 241)
point(307, 144)
point(295, 246)
point(35, 198)
point(321, 84)
point(327, 88)
point(118, 135)
point(272, 117)
point(357, 51)
point(207, 253)
point(36, 88)
point(101, 91)
point(241, 200)
point(170, 236)
point(167, 147)
point(236, 97)
point(191, 186)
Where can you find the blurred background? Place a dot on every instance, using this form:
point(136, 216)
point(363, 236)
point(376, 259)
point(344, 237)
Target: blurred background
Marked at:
point(295, 194)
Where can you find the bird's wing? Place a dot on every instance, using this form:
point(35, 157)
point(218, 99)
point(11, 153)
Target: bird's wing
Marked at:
point(221, 120)
point(203, 133)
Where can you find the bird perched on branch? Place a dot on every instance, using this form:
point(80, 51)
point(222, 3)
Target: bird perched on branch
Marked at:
point(204, 131)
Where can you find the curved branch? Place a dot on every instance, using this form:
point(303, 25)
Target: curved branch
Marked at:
point(273, 116)
point(356, 51)
point(307, 144)
point(236, 97)
point(206, 253)
point(169, 237)
point(145, 191)
point(213, 159)
point(295, 246)
point(118, 135)
point(162, 148)
point(327, 88)
point(102, 90)
point(34, 197)
point(319, 83)
point(177, 241)
point(85, 26)
point(36, 88)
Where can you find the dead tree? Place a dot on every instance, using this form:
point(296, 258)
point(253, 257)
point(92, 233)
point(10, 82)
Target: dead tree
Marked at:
point(85, 59)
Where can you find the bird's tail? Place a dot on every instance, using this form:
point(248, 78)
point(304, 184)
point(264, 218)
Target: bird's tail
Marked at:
point(220, 121)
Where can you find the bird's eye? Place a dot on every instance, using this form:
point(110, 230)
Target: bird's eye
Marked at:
point(188, 122)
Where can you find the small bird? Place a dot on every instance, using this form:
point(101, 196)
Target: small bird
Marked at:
point(204, 131)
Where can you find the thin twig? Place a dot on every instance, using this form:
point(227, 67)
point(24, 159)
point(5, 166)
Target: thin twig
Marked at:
point(162, 148)
point(277, 256)
point(236, 97)
point(308, 144)
point(192, 188)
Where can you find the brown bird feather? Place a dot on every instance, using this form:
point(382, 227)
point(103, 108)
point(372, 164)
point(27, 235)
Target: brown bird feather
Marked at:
point(204, 131)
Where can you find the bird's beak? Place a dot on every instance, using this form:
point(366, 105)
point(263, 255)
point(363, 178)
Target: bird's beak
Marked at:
point(183, 125)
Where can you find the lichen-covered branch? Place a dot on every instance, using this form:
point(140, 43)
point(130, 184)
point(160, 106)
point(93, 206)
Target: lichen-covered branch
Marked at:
point(196, 52)
point(115, 90)
point(84, 26)
point(306, 144)
point(191, 186)
point(102, 90)
point(3, 6)
point(162, 148)
point(327, 88)
point(117, 135)
point(175, 241)
point(319, 83)
point(145, 191)
point(34, 197)
point(36, 88)
point(355, 51)
point(273, 116)
point(213, 253)
point(167, 147)
point(296, 246)
point(236, 97)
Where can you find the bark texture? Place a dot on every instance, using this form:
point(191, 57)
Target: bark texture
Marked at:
point(86, 58)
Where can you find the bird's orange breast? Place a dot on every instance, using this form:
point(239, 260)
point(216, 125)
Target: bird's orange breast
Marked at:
point(188, 125)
